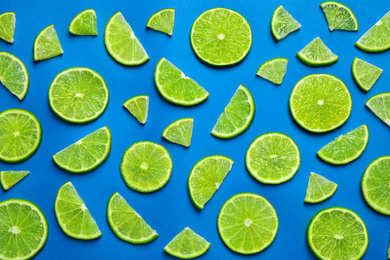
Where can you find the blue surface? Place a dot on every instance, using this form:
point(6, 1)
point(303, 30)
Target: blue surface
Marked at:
point(170, 209)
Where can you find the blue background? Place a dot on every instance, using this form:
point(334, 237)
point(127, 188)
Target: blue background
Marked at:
point(170, 209)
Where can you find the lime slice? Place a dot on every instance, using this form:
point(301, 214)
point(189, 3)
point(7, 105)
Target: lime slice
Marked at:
point(365, 74)
point(122, 44)
point(7, 26)
point(345, 148)
point(317, 54)
point(138, 106)
point(84, 23)
point(127, 224)
point(10, 178)
point(319, 188)
point(206, 177)
point(47, 45)
point(146, 166)
point(20, 135)
point(320, 103)
point(237, 115)
point(78, 95)
point(13, 74)
point(339, 16)
point(380, 106)
point(273, 158)
point(87, 153)
point(73, 216)
point(247, 223)
point(162, 21)
point(180, 131)
point(273, 70)
point(187, 245)
point(24, 229)
point(282, 23)
point(221, 37)
point(337, 233)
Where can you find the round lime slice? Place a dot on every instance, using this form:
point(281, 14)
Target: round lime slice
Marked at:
point(7, 26)
point(339, 16)
point(84, 23)
point(316, 54)
point(162, 21)
point(380, 105)
point(9, 178)
point(138, 106)
point(365, 74)
point(47, 45)
point(180, 131)
point(273, 70)
point(319, 189)
point(283, 23)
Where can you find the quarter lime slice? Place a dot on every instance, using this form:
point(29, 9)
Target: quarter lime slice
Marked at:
point(319, 189)
point(138, 106)
point(247, 223)
point(10, 178)
point(273, 70)
point(345, 148)
point(176, 87)
point(20, 135)
point(122, 44)
point(316, 54)
point(337, 233)
point(24, 229)
point(380, 106)
point(73, 216)
point(127, 224)
point(7, 26)
point(162, 21)
point(47, 45)
point(206, 177)
point(187, 245)
point(273, 158)
point(221, 37)
point(180, 131)
point(282, 23)
point(146, 166)
point(237, 116)
point(365, 74)
point(339, 16)
point(84, 23)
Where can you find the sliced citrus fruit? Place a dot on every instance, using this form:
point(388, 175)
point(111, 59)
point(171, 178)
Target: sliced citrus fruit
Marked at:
point(365, 74)
point(283, 23)
point(380, 106)
point(47, 45)
point(316, 54)
point(273, 70)
point(162, 21)
point(10, 178)
point(339, 16)
point(180, 131)
point(319, 189)
point(138, 106)
point(7, 26)
point(84, 23)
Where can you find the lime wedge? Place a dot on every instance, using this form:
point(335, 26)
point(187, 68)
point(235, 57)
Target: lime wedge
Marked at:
point(127, 224)
point(122, 44)
point(206, 177)
point(146, 166)
point(380, 106)
point(13, 74)
point(176, 87)
point(20, 135)
point(138, 106)
point(316, 54)
point(187, 245)
point(337, 233)
point(162, 21)
point(73, 216)
point(237, 115)
point(47, 45)
point(273, 70)
point(84, 23)
point(10, 178)
point(7, 26)
point(345, 148)
point(221, 37)
point(180, 131)
point(319, 188)
point(273, 158)
point(247, 223)
point(365, 74)
point(339, 16)
point(282, 23)
point(24, 229)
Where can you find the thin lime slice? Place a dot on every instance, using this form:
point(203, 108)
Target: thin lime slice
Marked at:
point(380, 106)
point(20, 135)
point(13, 74)
point(221, 37)
point(345, 148)
point(176, 87)
point(138, 106)
point(7, 26)
point(87, 153)
point(146, 166)
point(73, 216)
point(316, 54)
point(122, 44)
point(84, 23)
point(162, 21)
point(273, 158)
point(24, 229)
point(273, 70)
point(339, 16)
point(78, 95)
point(127, 224)
point(337, 233)
point(237, 115)
point(206, 177)
point(47, 45)
point(187, 245)
point(10, 178)
point(319, 189)
point(365, 74)
point(247, 223)
point(320, 103)
point(282, 23)
point(180, 131)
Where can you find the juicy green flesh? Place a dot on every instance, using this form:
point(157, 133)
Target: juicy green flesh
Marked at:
point(273, 70)
point(7, 26)
point(339, 17)
point(380, 106)
point(187, 244)
point(180, 132)
point(10, 178)
point(319, 188)
point(138, 106)
point(163, 21)
point(316, 53)
point(84, 23)
point(283, 23)
point(47, 45)
point(13, 74)
point(365, 74)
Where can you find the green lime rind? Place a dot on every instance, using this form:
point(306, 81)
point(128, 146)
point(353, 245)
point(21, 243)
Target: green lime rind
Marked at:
point(47, 45)
point(180, 132)
point(317, 54)
point(283, 23)
point(319, 189)
point(7, 26)
point(365, 74)
point(273, 70)
point(24, 229)
point(332, 227)
point(206, 177)
point(9, 178)
point(162, 21)
point(138, 106)
point(84, 23)
point(339, 16)
point(380, 106)
point(126, 223)
point(345, 148)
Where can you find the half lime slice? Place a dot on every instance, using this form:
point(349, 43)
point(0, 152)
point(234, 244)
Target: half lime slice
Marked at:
point(7, 26)
point(162, 21)
point(339, 16)
point(47, 45)
point(138, 106)
point(365, 74)
point(9, 178)
point(319, 189)
point(84, 23)
point(180, 131)
point(316, 54)
point(380, 106)
point(273, 70)
point(283, 23)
